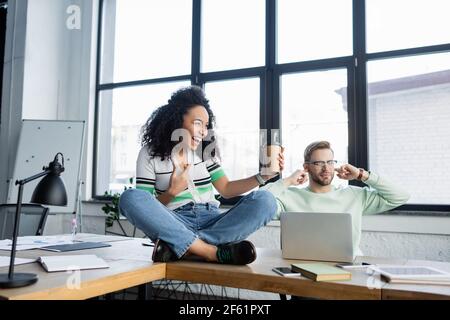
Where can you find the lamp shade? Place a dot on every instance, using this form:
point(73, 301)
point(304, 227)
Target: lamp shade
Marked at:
point(50, 190)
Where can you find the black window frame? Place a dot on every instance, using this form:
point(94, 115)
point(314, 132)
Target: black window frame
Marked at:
point(270, 74)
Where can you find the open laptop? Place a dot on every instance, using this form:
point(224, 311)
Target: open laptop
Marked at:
point(317, 236)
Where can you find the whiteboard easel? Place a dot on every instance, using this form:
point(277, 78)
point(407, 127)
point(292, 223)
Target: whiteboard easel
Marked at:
point(39, 142)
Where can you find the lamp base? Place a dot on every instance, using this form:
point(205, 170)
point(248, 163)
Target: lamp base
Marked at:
point(18, 280)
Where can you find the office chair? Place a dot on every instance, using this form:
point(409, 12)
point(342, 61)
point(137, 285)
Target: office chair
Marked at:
point(32, 220)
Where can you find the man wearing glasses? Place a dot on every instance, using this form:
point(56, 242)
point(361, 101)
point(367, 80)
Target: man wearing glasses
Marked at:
point(321, 196)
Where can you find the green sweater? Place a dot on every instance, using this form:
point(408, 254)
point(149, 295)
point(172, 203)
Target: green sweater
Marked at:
point(380, 197)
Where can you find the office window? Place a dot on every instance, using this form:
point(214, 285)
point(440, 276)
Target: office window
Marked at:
point(236, 106)
point(232, 34)
point(312, 30)
point(403, 24)
point(127, 110)
point(313, 109)
point(141, 34)
point(282, 64)
point(408, 117)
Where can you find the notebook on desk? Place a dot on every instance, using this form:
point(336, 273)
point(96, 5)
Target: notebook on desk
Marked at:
point(5, 261)
point(321, 272)
point(76, 246)
point(75, 262)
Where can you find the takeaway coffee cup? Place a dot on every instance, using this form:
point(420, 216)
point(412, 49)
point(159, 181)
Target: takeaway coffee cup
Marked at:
point(273, 165)
point(269, 153)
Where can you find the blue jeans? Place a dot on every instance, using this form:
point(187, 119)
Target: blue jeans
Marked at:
point(181, 227)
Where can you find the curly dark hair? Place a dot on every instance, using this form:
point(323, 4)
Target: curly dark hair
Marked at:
point(157, 131)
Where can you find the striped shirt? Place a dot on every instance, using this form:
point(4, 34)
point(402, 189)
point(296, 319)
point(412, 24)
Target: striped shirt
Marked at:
point(153, 175)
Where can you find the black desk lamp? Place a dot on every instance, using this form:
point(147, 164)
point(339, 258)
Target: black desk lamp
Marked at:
point(50, 190)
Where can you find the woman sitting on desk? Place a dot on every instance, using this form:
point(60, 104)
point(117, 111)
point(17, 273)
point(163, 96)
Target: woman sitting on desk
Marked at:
point(174, 203)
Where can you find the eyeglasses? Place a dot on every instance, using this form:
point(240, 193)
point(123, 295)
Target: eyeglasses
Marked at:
point(321, 164)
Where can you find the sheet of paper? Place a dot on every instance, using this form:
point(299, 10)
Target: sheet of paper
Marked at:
point(141, 257)
point(4, 261)
point(35, 242)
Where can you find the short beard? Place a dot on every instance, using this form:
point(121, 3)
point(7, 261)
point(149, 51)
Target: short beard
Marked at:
point(321, 182)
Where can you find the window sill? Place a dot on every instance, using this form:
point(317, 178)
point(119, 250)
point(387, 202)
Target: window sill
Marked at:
point(408, 223)
point(437, 223)
point(400, 222)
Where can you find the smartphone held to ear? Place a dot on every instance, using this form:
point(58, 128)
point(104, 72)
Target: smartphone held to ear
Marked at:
point(286, 272)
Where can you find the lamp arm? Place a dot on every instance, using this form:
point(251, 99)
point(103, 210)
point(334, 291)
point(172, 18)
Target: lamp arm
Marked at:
point(16, 231)
point(36, 176)
point(21, 183)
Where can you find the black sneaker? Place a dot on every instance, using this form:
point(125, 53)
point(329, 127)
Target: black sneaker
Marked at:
point(240, 253)
point(163, 253)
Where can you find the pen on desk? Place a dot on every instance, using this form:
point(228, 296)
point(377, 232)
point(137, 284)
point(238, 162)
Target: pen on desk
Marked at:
point(148, 244)
point(357, 265)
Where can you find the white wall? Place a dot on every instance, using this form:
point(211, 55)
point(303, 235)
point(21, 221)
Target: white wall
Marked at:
point(12, 90)
point(45, 56)
point(49, 73)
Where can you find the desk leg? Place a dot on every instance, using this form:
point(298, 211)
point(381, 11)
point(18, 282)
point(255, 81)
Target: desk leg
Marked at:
point(145, 291)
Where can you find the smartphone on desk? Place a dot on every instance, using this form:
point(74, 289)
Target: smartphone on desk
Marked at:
point(286, 272)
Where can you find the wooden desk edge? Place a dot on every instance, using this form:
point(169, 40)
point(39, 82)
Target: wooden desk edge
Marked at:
point(95, 288)
point(261, 282)
point(395, 294)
